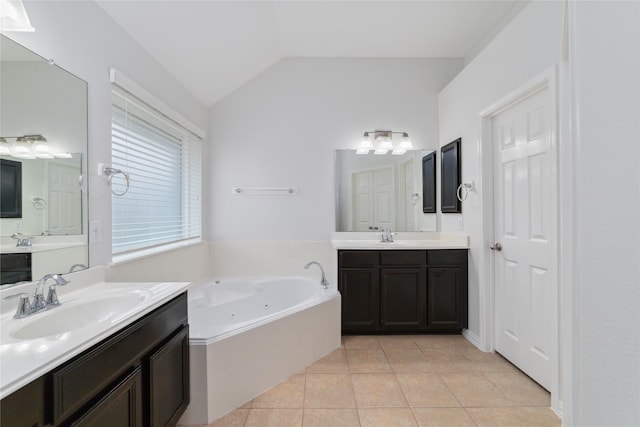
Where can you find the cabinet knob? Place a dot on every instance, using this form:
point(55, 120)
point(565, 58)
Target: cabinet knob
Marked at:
point(496, 247)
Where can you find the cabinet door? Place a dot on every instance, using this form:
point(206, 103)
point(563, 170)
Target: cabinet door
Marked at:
point(24, 407)
point(169, 380)
point(360, 299)
point(447, 298)
point(402, 298)
point(121, 407)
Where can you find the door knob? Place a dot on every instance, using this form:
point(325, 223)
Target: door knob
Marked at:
point(496, 247)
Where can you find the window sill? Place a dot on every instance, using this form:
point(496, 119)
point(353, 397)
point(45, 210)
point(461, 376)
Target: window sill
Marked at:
point(137, 255)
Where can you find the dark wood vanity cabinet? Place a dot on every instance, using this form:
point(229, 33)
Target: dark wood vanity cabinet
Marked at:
point(137, 377)
point(403, 290)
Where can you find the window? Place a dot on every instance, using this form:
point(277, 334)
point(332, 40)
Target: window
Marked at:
point(163, 160)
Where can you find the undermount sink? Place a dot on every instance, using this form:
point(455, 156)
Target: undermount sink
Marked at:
point(79, 314)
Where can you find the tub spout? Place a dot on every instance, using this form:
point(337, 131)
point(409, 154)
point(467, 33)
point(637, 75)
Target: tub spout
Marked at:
point(323, 281)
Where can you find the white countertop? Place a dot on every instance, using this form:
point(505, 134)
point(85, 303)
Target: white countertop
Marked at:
point(38, 247)
point(402, 240)
point(23, 360)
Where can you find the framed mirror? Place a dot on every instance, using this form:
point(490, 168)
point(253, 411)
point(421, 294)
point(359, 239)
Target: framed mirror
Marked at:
point(43, 129)
point(450, 177)
point(380, 191)
point(429, 183)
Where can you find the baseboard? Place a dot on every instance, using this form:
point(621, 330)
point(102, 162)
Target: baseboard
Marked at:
point(472, 338)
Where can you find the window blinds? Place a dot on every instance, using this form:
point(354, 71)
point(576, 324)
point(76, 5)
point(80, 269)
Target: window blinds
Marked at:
point(163, 160)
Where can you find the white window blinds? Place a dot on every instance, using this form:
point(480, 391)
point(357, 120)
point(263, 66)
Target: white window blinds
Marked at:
point(163, 160)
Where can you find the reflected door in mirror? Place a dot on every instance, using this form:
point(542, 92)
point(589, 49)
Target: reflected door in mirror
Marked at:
point(374, 204)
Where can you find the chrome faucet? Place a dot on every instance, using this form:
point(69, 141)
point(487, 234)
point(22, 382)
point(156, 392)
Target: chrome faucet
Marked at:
point(386, 236)
point(21, 240)
point(27, 308)
point(323, 281)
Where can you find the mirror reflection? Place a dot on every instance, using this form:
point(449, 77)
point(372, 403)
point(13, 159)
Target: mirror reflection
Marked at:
point(381, 191)
point(51, 197)
point(43, 149)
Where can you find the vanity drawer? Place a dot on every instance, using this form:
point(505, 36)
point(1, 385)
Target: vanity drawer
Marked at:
point(448, 257)
point(402, 258)
point(90, 373)
point(358, 258)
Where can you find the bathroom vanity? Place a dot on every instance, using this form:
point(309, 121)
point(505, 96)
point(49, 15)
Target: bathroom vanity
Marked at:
point(135, 374)
point(412, 285)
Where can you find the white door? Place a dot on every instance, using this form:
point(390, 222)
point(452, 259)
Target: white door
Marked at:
point(64, 200)
point(373, 200)
point(362, 191)
point(407, 204)
point(525, 212)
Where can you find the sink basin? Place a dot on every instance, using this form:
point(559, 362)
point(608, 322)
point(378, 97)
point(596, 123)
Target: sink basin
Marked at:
point(79, 314)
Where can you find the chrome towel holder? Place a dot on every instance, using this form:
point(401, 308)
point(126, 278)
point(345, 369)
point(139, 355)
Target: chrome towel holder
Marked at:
point(110, 172)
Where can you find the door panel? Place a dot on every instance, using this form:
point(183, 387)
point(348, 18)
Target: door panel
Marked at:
point(525, 287)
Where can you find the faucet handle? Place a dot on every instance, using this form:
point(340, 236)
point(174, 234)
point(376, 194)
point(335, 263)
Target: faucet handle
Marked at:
point(24, 306)
point(52, 296)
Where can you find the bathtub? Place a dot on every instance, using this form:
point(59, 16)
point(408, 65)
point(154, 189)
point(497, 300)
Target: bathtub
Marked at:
point(248, 334)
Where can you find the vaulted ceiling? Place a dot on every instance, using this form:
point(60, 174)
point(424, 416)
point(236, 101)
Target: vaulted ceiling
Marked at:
point(214, 47)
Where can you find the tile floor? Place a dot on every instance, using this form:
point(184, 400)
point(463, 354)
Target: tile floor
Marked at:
point(401, 380)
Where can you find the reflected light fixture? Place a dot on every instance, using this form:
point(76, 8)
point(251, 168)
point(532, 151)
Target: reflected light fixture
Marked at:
point(381, 142)
point(29, 147)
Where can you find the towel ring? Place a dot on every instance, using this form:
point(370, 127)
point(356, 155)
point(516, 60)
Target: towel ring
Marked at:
point(111, 172)
point(39, 203)
point(463, 191)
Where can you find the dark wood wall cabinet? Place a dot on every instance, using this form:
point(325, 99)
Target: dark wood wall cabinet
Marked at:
point(403, 291)
point(138, 377)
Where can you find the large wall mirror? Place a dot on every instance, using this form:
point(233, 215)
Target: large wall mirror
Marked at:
point(381, 191)
point(43, 125)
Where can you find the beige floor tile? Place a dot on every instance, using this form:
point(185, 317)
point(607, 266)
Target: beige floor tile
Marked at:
point(514, 417)
point(473, 390)
point(520, 389)
point(443, 355)
point(329, 391)
point(408, 360)
point(377, 390)
point(274, 418)
point(331, 418)
point(235, 418)
point(367, 361)
point(247, 404)
point(390, 342)
point(287, 394)
point(443, 417)
point(387, 417)
point(426, 390)
point(360, 341)
point(461, 366)
point(443, 341)
point(332, 363)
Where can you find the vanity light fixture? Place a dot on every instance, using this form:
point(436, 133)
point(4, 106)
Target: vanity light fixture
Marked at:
point(29, 147)
point(381, 141)
point(5, 147)
point(21, 149)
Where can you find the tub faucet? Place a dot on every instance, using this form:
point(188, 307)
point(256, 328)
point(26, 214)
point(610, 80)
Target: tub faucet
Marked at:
point(323, 281)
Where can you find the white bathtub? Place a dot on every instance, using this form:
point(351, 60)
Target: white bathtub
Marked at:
point(249, 334)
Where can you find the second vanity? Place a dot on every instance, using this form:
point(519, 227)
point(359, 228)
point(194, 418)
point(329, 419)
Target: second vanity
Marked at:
point(415, 284)
point(113, 354)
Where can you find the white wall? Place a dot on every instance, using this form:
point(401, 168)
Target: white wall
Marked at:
point(82, 39)
point(530, 44)
point(281, 129)
point(606, 212)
